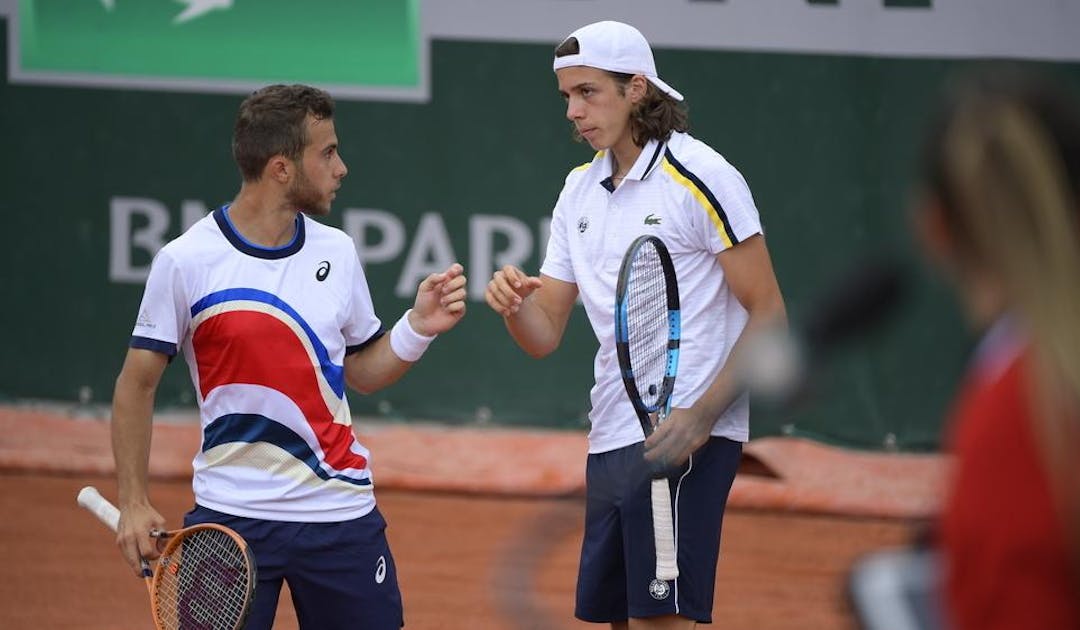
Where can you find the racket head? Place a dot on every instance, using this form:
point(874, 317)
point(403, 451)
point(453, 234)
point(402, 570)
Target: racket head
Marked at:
point(204, 580)
point(647, 327)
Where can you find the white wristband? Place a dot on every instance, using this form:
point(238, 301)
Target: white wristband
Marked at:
point(408, 344)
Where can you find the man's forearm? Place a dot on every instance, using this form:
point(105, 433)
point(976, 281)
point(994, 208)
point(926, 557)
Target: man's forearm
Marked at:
point(533, 330)
point(728, 384)
point(131, 433)
point(375, 367)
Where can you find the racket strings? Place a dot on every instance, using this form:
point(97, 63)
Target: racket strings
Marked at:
point(204, 583)
point(648, 324)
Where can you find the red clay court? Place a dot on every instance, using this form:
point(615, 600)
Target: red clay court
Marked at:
point(484, 541)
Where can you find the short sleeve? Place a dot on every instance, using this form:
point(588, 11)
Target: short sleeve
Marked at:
point(164, 314)
point(557, 259)
point(362, 327)
point(730, 215)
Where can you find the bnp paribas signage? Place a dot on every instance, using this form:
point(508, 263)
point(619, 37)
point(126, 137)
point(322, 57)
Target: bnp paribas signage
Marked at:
point(357, 48)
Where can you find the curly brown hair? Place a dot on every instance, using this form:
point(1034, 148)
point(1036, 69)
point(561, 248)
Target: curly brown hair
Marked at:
point(655, 117)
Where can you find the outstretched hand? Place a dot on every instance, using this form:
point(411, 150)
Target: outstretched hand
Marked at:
point(508, 288)
point(440, 302)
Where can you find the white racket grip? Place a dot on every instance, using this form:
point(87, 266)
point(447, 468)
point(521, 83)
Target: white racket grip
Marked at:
point(106, 512)
point(667, 567)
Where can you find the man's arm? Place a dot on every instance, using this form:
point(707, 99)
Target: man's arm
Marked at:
point(374, 367)
point(132, 425)
point(749, 273)
point(535, 309)
point(439, 306)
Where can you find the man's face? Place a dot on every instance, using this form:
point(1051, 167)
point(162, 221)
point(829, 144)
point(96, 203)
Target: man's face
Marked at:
point(600, 113)
point(320, 169)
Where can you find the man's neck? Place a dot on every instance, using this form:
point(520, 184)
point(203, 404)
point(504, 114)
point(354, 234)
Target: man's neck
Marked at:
point(264, 219)
point(623, 159)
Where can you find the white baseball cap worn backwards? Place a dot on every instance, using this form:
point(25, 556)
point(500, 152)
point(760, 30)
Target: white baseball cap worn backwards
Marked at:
point(615, 47)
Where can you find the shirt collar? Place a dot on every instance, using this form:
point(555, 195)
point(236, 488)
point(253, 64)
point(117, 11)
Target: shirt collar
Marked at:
point(646, 163)
point(225, 224)
point(1002, 342)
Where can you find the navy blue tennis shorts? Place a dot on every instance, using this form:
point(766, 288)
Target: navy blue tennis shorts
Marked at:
point(617, 575)
point(341, 575)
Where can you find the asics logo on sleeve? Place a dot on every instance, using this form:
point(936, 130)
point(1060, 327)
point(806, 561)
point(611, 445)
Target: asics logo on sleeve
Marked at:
point(323, 271)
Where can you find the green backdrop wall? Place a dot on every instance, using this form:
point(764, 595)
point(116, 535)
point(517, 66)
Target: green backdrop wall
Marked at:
point(827, 144)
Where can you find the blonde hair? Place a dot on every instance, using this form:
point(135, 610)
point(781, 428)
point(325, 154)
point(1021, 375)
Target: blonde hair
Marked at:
point(1006, 170)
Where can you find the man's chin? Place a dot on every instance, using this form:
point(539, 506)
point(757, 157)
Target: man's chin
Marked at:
point(598, 144)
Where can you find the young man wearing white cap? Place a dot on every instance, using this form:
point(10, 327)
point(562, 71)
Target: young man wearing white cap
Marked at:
point(648, 176)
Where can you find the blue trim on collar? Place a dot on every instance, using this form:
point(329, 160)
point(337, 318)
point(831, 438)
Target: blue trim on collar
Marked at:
point(221, 216)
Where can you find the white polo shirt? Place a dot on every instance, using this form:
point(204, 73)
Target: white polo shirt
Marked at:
point(699, 205)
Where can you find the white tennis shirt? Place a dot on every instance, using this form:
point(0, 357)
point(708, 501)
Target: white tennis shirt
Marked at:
point(265, 333)
point(688, 195)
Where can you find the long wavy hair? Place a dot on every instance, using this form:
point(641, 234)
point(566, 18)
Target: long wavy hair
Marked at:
point(1004, 162)
point(655, 117)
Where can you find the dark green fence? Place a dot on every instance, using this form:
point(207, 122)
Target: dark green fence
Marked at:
point(827, 144)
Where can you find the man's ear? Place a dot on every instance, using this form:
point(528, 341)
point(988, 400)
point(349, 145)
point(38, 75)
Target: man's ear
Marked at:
point(637, 88)
point(279, 168)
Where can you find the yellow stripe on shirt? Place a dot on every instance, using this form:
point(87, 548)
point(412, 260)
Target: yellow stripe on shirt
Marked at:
point(589, 163)
point(713, 212)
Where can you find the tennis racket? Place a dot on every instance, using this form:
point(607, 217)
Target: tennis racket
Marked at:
point(647, 343)
point(204, 579)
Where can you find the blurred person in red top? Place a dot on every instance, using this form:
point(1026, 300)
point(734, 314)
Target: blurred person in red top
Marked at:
point(999, 217)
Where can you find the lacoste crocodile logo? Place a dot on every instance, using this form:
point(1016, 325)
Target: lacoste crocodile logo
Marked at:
point(652, 219)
